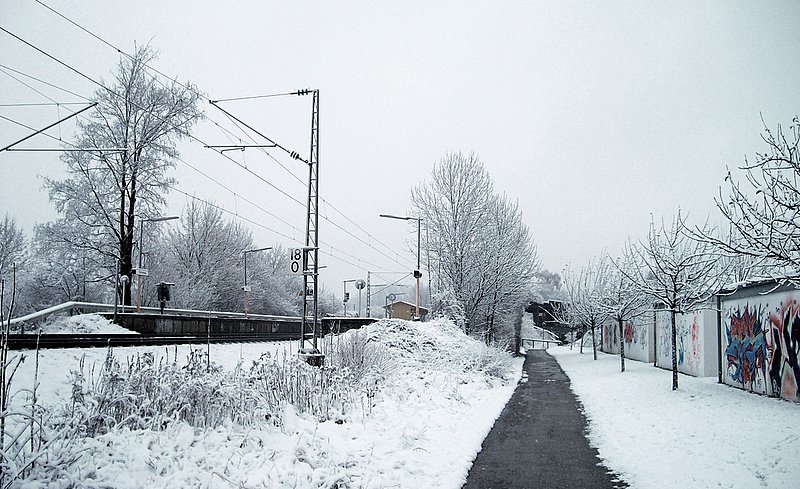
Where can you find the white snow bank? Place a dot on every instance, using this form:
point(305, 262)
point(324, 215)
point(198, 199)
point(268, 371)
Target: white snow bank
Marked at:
point(81, 324)
point(702, 435)
point(422, 428)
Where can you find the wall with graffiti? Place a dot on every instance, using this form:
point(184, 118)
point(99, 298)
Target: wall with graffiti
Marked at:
point(761, 343)
point(637, 335)
point(696, 341)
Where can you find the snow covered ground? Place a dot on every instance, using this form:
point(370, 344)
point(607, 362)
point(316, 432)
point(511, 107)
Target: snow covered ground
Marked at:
point(703, 435)
point(422, 428)
point(81, 324)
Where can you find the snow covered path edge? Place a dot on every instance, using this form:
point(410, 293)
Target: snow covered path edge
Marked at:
point(702, 435)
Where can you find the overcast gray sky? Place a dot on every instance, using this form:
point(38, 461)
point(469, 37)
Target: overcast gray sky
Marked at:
point(593, 115)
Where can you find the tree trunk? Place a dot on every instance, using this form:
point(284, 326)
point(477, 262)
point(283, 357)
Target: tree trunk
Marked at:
point(674, 352)
point(621, 346)
point(594, 343)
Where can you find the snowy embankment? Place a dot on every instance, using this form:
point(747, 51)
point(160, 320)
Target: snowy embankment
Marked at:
point(702, 435)
point(416, 421)
point(81, 324)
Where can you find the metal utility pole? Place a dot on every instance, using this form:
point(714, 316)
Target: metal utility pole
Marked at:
point(368, 296)
point(311, 249)
point(417, 272)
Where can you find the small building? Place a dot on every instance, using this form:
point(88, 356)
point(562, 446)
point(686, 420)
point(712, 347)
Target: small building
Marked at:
point(404, 310)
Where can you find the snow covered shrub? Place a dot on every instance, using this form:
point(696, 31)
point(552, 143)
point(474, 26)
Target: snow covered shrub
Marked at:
point(143, 394)
point(445, 305)
point(324, 392)
point(492, 362)
point(355, 351)
point(438, 346)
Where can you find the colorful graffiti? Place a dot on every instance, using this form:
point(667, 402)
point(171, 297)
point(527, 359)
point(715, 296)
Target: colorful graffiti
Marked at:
point(629, 333)
point(747, 353)
point(694, 357)
point(784, 346)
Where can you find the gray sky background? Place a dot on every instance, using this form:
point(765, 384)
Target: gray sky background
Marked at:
point(594, 116)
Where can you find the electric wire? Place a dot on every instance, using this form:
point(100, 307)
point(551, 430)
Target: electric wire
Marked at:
point(83, 75)
point(240, 216)
point(267, 228)
point(189, 87)
point(43, 104)
point(4, 67)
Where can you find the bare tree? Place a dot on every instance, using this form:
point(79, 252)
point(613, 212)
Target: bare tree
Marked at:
point(136, 124)
point(13, 248)
point(679, 272)
point(764, 211)
point(13, 254)
point(625, 301)
point(586, 295)
point(481, 253)
point(203, 257)
point(453, 207)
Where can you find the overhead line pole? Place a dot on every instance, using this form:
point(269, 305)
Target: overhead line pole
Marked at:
point(48, 127)
point(311, 250)
point(293, 154)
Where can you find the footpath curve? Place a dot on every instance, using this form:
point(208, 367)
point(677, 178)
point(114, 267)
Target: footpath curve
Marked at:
point(539, 440)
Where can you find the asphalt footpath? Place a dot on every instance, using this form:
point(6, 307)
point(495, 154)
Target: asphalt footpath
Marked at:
point(539, 440)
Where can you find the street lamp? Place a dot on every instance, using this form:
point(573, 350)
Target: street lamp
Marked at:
point(245, 287)
point(139, 269)
point(417, 273)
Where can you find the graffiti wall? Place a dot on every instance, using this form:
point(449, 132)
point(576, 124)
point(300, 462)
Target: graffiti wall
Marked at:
point(761, 343)
point(636, 334)
point(696, 342)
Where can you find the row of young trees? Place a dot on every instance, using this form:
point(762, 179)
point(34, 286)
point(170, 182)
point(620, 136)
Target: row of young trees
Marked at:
point(483, 261)
point(680, 267)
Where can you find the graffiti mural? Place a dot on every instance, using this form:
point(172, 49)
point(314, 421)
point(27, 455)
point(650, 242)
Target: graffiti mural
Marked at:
point(784, 371)
point(762, 347)
point(629, 335)
point(694, 356)
point(746, 352)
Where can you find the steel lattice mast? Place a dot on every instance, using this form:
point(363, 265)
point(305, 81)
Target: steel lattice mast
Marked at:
point(311, 250)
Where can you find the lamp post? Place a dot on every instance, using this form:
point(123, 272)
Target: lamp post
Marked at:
point(417, 273)
point(245, 287)
point(139, 268)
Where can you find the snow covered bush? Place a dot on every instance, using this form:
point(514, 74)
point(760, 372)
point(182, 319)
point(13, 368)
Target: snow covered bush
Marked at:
point(143, 394)
point(323, 392)
point(439, 346)
point(355, 351)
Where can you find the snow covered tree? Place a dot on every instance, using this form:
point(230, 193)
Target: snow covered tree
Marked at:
point(61, 273)
point(625, 301)
point(510, 268)
point(764, 213)
point(679, 272)
point(13, 247)
point(135, 127)
point(586, 296)
point(482, 255)
point(13, 255)
point(202, 256)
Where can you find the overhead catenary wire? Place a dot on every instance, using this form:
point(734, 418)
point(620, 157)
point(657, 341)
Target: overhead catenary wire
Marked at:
point(267, 228)
point(192, 137)
point(189, 87)
point(5, 70)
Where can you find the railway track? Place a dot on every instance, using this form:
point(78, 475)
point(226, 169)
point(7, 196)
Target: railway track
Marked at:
point(29, 341)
